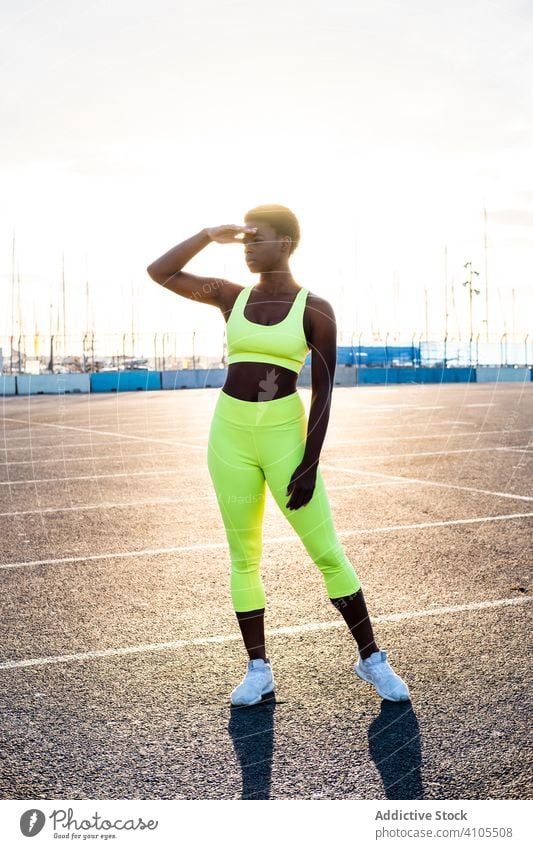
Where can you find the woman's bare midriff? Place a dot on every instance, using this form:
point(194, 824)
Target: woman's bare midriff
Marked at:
point(255, 381)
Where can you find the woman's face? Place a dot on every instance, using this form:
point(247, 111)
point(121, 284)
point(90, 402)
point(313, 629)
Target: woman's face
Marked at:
point(262, 249)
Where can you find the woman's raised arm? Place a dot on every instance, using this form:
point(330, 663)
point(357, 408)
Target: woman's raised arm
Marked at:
point(167, 270)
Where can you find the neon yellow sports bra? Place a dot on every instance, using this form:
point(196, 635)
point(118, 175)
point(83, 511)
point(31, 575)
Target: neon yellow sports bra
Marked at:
point(282, 344)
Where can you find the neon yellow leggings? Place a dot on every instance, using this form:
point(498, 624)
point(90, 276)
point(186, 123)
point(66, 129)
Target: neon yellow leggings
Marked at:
point(251, 442)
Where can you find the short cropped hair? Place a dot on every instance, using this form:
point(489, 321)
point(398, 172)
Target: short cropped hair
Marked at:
point(281, 219)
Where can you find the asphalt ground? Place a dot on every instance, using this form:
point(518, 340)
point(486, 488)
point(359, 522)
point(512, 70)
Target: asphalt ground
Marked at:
point(120, 645)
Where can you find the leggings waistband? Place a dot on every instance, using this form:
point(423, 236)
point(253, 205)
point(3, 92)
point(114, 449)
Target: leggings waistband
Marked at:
point(277, 411)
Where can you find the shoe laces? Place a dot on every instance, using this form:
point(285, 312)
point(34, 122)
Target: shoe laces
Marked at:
point(382, 668)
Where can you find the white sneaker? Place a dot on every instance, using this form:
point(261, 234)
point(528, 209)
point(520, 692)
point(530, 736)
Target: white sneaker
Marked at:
point(258, 681)
point(377, 670)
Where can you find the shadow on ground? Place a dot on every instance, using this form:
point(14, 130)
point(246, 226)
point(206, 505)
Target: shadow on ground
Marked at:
point(252, 734)
point(395, 747)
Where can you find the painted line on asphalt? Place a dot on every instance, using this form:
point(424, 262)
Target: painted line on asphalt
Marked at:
point(270, 632)
point(403, 454)
point(118, 505)
point(32, 481)
point(442, 484)
point(104, 505)
point(418, 436)
point(123, 436)
point(62, 460)
point(522, 449)
point(445, 435)
point(90, 458)
point(157, 472)
point(206, 546)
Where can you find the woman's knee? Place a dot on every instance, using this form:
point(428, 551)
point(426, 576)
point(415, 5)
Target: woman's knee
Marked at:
point(247, 591)
point(338, 572)
point(245, 566)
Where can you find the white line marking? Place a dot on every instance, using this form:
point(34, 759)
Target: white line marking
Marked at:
point(104, 505)
point(203, 546)
point(455, 422)
point(445, 435)
point(363, 485)
point(91, 477)
point(524, 449)
point(271, 632)
point(158, 472)
point(442, 484)
point(388, 456)
point(62, 460)
point(419, 436)
point(112, 505)
point(90, 458)
point(44, 447)
point(106, 433)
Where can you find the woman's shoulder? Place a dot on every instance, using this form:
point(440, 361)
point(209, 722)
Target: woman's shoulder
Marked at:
point(316, 302)
point(229, 295)
point(319, 318)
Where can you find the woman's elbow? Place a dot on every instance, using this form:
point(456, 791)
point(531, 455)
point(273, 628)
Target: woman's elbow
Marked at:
point(152, 272)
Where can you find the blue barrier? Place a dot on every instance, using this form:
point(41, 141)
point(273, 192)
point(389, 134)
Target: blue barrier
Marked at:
point(378, 355)
point(415, 375)
point(193, 378)
point(52, 384)
point(502, 374)
point(8, 384)
point(125, 381)
point(128, 381)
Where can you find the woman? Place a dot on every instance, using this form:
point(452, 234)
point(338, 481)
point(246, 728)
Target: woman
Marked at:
point(259, 434)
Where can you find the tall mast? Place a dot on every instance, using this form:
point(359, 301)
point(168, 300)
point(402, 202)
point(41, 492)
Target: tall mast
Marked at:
point(12, 303)
point(486, 278)
point(64, 306)
point(445, 291)
point(19, 322)
point(426, 307)
point(86, 295)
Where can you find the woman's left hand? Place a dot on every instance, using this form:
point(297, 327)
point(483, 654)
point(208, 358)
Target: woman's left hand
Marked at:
point(301, 485)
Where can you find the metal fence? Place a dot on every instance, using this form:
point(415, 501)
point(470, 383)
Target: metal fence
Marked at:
point(95, 352)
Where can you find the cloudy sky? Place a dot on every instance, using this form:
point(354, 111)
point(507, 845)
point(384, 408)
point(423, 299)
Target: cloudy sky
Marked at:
point(388, 127)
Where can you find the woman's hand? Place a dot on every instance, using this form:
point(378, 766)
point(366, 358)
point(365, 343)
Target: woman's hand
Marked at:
point(228, 233)
point(301, 485)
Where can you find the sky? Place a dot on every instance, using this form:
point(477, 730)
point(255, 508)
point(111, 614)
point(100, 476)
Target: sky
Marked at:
point(400, 133)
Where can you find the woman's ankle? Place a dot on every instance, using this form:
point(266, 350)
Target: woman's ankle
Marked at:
point(257, 655)
point(366, 651)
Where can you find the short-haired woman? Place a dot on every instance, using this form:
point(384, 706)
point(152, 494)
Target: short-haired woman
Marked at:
point(259, 433)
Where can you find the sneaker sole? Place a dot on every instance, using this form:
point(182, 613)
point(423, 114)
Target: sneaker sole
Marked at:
point(383, 696)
